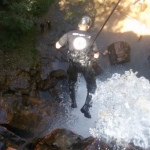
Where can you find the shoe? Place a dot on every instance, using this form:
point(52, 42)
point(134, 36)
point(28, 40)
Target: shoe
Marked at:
point(85, 111)
point(73, 105)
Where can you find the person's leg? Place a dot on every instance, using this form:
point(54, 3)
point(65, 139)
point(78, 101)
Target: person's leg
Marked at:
point(72, 72)
point(91, 87)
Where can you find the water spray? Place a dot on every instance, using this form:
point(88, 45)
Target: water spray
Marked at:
point(123, 104)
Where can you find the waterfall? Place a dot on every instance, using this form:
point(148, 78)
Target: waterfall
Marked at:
point(122, 106)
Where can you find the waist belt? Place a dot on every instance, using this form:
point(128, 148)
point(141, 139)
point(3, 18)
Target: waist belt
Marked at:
point(82, 63)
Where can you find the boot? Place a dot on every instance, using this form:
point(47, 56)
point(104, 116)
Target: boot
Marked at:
point(85, 111)
point(72, 92)
point(87, 105)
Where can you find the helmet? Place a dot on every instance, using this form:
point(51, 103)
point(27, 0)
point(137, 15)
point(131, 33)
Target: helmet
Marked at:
point(86, 20)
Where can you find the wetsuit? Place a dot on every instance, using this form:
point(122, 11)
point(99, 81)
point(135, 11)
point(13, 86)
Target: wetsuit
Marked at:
point(79, 55)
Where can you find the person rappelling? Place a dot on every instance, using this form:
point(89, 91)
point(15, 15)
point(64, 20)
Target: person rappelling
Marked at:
point(80, 53)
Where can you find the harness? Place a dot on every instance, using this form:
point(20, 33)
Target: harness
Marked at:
point(79, 57)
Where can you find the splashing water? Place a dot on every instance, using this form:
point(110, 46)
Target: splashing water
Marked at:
point(123, 102)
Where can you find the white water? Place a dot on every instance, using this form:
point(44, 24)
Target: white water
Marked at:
point(122, 108)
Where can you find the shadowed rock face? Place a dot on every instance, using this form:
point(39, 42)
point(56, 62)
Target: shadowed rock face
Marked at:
point(21, 108)
point(31, 118)
point(9, 140)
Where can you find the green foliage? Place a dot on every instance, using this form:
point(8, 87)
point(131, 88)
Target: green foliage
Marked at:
point(18, 31)
point(38, 7)
point(17, 19)
point(7, 43)
point(17, 25)
point(70, 15)
point(25, 50)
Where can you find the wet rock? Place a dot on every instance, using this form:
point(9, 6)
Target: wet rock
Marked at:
point(58, 74)
point(2, 144)
point(8, 140)
point(19, 83)
point(55, 94)
point(49, 83)
point(24, 66)
point(7, 108)
point(25, 100)
point(46, 84)
point(34, 91)
point(26, 120)
point(45, 70)
point(65, 139)
point(13, 112)
point(46, 61)
point(3, 116)
point(58, 139)
point(34, 69)
point(29, 119)
point(38, 78)
point(28, 67)
point(18, 79)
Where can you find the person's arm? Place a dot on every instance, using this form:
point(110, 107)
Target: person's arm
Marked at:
point(95, 50)
point(62, 41)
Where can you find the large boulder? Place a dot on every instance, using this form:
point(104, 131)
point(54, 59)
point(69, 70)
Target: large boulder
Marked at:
point(65, 139)
point(119, 52)
point(32, 117)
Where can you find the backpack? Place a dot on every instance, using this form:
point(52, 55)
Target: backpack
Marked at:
point(119, 52)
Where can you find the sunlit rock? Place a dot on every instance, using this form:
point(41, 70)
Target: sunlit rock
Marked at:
point(67, 139)
point(61, 138)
